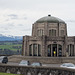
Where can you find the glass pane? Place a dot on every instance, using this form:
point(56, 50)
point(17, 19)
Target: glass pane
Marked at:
point(30, 50)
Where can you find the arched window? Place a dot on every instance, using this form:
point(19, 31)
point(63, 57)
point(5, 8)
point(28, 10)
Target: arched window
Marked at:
point(35, 50)
point(52, 32)
point(40, 32)
point(54, 50)
point(71, 50)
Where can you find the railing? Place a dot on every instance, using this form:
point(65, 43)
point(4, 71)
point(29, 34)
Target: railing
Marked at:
point(28, 70)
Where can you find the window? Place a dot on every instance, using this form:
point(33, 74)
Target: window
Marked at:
point(40, 32)
point(52, 32)
point(62, 32)
point(35, 50)
point(71, 50)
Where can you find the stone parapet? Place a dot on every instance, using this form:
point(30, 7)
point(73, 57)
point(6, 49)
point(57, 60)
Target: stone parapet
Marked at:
point(45, 60)
point(30, 70)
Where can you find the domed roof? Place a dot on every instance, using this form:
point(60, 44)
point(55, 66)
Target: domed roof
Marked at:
point(50, 19)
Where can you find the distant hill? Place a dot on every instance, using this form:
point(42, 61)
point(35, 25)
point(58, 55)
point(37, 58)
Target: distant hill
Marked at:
point(10, 38)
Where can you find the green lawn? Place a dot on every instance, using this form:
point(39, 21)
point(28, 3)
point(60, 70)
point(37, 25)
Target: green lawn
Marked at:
point(11, 47)
point(8, 74)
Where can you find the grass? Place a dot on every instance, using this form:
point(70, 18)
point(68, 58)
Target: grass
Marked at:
point(8, 74)
point(10, 47)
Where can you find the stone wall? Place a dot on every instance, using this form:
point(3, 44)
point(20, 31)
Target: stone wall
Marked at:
point(30, 70)
point(45, 60)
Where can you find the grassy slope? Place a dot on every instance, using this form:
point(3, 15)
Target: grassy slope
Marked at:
point(8, 74)
point(9, 47)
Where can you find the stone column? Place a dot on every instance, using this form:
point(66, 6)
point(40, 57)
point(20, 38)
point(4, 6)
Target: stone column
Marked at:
point(25, 46)
point(43, 45)
point(58, 30)
point(45, 28)
point(65, 45)
point(35, 30)
point(62, 49)
point(69, 50)
point(32, 49)
point(72, 50)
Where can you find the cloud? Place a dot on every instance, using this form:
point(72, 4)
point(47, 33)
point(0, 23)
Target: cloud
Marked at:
point(16, 16)
point(28, 29)
point(19, 15)
point(13, 16)
point(72, 21)
point(25, 18)
point(20, 25)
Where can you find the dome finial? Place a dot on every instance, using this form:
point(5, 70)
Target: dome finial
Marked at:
point(49, 15)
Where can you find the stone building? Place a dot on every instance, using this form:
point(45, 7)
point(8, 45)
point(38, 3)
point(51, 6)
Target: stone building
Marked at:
point(49, 39)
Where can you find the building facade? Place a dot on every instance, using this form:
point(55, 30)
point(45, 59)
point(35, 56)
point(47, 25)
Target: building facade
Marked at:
point(49, 39)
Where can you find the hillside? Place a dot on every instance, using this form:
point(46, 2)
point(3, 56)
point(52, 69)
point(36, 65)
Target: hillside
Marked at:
point(10, 47)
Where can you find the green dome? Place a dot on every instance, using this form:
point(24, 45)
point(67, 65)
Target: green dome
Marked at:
point(50, 19)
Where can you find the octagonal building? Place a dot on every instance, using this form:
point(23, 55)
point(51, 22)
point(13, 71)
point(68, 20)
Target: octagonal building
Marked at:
point(49, 39)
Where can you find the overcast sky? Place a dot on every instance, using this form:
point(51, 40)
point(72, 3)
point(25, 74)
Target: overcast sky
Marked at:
point(17, 16)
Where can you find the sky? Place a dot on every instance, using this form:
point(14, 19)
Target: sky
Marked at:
point(17, 16)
